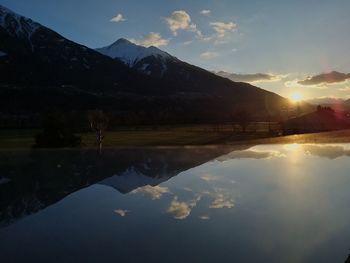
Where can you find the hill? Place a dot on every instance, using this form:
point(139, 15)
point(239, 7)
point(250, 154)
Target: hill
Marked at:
point(324, 119)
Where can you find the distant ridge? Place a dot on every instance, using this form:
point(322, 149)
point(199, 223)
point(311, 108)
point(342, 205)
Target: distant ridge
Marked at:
point(68, 76)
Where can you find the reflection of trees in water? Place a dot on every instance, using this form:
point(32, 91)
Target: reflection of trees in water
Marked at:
point(41, 178)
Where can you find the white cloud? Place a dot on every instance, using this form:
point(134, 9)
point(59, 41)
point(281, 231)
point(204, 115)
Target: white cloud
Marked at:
point(328, 151)
point(151, 39)
point(121, 212)
point(181, 20)
point(222, 201)
point(181, 210)
point(204, 217)
point(251, 154)
point(186, 43)
point(222, 28)
point(153, 192)
point(208, 177)
point(118, 18)
point(205, 12)
point(209, 55)
point(346, 88)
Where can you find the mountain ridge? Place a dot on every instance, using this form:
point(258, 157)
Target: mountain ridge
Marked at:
point(73, 76)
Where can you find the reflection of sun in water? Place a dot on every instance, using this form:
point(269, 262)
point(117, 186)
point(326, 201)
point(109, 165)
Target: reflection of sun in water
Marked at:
point(296, 97)
point(292, 147)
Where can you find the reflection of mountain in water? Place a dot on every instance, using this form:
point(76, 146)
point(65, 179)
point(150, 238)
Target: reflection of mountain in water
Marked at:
point(132, 179)
point(37, 179)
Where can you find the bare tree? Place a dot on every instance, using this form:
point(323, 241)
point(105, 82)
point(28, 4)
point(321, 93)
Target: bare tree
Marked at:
point(98, 123)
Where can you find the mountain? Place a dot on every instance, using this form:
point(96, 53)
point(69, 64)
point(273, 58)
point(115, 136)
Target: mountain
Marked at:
point(146, 82)
point(148, 60)
point(34, 54)
point(31, 181)
point(131, 54)
point(190, 80)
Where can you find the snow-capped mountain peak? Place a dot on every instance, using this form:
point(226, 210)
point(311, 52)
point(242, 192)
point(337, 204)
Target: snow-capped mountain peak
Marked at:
point(131, 53)
point(17, 25)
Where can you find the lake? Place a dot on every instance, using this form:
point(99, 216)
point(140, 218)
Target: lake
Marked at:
point(270, 203)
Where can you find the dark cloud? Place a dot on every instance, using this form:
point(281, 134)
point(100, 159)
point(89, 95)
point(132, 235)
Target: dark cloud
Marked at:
point(257, 77)
point(331, 77)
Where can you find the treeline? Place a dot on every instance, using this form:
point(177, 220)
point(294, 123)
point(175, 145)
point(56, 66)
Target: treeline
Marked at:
point(78, 120)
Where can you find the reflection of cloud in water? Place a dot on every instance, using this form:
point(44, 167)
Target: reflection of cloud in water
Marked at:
point(153, 192)
point(121, 212)
point(188, 189)
point(252, 154)
point(181, 210)
point(327, 151)
point(222, 201)
point(208, 177)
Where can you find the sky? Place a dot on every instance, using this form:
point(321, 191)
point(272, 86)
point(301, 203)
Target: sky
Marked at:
point(291, 43)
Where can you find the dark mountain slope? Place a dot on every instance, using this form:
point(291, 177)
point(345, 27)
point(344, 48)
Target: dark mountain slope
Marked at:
point(41, 70)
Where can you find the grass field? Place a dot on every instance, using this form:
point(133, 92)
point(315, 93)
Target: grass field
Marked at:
point(143, 136)
point(175, 136)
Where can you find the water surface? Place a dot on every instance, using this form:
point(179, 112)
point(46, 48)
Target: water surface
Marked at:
point(281, 203)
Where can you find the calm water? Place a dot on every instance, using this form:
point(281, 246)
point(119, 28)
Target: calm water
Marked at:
point(283, 203)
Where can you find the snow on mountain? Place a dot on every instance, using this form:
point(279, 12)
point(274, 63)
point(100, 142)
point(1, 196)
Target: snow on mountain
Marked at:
point(17, 25)
point(132, 179)
point(131, 53)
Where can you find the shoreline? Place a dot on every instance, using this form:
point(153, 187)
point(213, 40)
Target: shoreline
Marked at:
point(144, 139)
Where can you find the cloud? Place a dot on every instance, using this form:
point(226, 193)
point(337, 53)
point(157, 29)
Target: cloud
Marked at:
point(118, 18)
point(205, 12)
point(257, 77)
point(346, 88)
point(222, 28)
point(296, 84)
point(204, 217)
point(151, 39)
point(327, 151)
point(181, 210)
point(208, 177)
point(121, 212)
point(153, 192)
point(181, 20)
point(250, 154)
point(325, 78)
point(222, 201)
point(186, 43)
point(209, 55)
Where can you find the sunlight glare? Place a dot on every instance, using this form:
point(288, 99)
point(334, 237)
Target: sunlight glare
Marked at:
point(296, 97)
point(292, 147)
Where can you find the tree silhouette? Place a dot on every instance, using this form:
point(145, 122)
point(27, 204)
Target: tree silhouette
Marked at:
point(98, 123)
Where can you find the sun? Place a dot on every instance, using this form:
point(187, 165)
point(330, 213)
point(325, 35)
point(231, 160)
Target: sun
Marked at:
point(296, 97)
